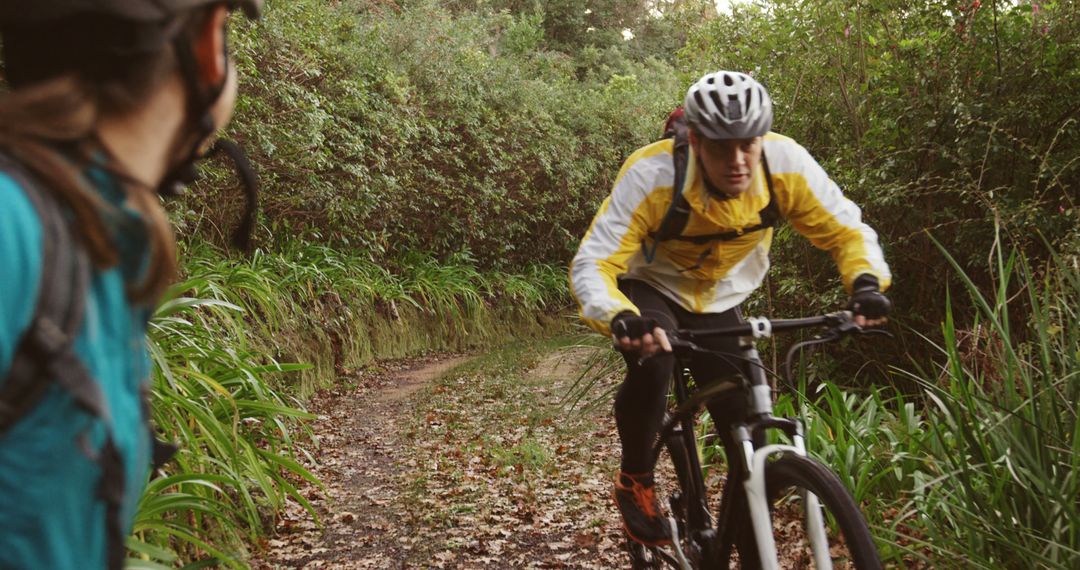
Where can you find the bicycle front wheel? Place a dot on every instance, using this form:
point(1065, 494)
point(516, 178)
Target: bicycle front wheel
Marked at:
point(849, 543)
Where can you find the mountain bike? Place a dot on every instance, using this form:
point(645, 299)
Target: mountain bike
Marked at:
point(761, 479)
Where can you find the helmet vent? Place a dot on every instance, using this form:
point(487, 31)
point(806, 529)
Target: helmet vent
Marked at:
point(716, 99)
point(734, 110)
point(728, 105)
point(699, 99)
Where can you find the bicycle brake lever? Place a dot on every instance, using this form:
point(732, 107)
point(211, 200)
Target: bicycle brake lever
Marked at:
point(884, 332)
point(848, 327)
point(681, 345)
point(829, 335)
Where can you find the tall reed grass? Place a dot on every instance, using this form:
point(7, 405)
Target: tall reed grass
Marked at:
point(228, 386)
point(1003, 429)
point(979, 467)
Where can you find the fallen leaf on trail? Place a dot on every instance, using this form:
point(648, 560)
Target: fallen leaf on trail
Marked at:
point(585, 540)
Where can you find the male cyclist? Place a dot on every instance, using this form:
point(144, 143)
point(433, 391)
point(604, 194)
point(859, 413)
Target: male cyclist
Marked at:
point(633, 283)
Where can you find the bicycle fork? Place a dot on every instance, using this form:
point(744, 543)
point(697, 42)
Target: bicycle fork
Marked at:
point(755, 459)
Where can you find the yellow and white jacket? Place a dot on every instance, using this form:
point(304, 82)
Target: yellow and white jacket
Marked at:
point(717, 276)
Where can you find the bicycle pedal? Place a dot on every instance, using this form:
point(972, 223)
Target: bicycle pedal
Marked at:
point(677, 505)
point(706, 536)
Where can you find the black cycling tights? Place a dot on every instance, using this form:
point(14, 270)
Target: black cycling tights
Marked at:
point(642, 398)
point(641, 401)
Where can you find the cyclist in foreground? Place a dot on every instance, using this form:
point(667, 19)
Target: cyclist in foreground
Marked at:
point(111, 103)
point(634, 276)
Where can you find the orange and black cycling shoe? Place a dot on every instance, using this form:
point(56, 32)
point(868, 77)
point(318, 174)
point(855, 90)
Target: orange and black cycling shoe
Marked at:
point(635, 496)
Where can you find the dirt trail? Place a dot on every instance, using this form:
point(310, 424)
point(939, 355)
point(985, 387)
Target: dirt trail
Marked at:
point(458, 462)
point(431, 464)
point(358, 434)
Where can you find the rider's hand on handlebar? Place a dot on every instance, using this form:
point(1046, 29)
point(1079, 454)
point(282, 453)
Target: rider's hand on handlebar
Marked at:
point(870, 306)
point(633, 333)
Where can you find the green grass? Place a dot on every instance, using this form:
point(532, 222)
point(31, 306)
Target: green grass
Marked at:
point(527, 455)
point(228, 387)
point(335, 310)
point(978, 469)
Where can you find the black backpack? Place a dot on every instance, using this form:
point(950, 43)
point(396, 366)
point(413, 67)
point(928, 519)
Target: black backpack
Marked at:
point(46, 352)
point(678, 213)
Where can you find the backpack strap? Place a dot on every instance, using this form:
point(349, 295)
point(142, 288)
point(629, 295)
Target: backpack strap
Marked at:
point(46, 352)
point(678, 212)
point(770, 214)
point(47, 349)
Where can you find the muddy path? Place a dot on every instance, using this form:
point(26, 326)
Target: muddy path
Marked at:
point(465, 462)
point(456, 462)
point(358, 443)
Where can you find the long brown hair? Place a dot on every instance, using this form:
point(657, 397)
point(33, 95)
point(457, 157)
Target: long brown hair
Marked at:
point(49, 127)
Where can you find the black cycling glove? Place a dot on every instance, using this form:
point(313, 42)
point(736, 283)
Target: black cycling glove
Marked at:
point(867, 299)
point(627, 324)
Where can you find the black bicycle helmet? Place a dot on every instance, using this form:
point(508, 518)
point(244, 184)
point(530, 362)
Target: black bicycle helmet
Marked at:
point(23, 12)
point(92, 37)
point(102, 40)
point(728, 105)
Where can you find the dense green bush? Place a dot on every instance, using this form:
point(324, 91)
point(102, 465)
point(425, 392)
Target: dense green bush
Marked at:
point(488, 128)
point(939, 118)
point(386, 131)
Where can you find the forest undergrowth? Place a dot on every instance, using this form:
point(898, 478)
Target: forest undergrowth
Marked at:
point(429, 167)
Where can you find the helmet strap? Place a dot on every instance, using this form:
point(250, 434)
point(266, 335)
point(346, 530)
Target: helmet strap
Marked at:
point(241, 238)
point(199, 112)
point(200, 102)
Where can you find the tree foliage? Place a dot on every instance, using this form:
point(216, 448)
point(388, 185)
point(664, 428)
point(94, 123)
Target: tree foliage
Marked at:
point(495, 127)
point(389, 130)
point(940, 118)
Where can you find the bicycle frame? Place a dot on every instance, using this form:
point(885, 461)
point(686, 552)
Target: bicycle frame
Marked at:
point(760, 418)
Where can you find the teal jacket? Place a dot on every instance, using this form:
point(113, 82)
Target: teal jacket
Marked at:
point(50, 516)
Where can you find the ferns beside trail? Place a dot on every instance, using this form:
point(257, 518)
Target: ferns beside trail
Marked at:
point(226, 385)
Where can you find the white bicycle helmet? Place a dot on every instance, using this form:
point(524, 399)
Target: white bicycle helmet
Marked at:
point(728, 105)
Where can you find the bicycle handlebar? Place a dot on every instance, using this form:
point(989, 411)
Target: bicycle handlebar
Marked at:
point(760, 327)
point(836, 325)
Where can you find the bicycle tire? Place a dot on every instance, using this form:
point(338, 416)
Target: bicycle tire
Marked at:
point(796, 472)
point(681, 490)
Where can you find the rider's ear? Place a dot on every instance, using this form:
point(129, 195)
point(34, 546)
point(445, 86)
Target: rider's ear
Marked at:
point(209, 47)
point(693, 138)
